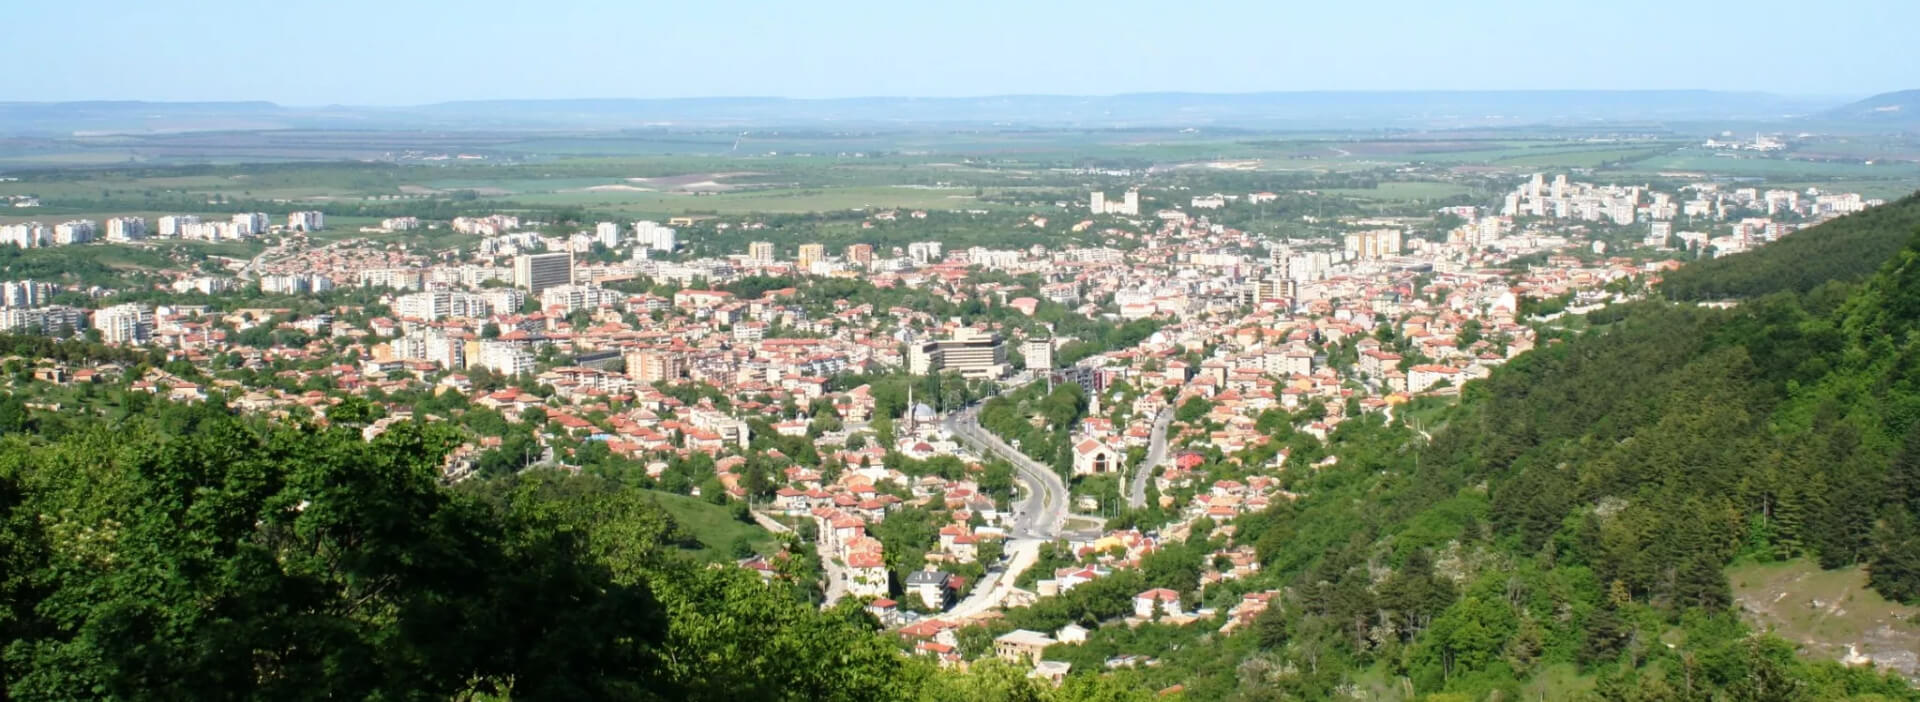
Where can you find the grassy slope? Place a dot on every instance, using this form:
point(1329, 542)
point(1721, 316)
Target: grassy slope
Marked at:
point(1825, 611)
point(713, 525)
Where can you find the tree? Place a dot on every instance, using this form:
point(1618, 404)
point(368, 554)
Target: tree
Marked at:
point(1193, 410)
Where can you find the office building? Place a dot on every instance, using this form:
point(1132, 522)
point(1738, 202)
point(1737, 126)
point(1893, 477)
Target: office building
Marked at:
point(535, 273)
point(970, 352)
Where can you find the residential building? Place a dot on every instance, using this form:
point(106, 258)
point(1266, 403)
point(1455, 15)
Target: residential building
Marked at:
point(131, 323)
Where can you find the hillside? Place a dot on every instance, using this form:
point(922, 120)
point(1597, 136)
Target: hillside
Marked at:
point(1845, 250)
point(714, 527)
point(1898, 109)
point(1589, 495)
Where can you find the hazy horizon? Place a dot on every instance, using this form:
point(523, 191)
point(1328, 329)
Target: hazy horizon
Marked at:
point(363, 53)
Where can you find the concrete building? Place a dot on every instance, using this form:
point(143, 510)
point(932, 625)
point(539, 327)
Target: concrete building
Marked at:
point(1022, 646)
point(760, 253)
point(1375, 243)
point(651, 235)
point(126, 229)
point(250, 224)
point(1038, 354)
point(504, 358)
point(306, 221)
point(933, 587)
point(972, 353)
point(924, 252)
point(809, 254)
point(860, 254)
point(172, 225)
point(1129, 204)
point(25, 293)
point(537, 272)
point(654, 366)
point(130, 323)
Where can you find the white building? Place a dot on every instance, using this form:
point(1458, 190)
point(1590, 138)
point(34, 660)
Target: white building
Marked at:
point(504, 358)
point(250, 224)
point(130, 323)
point(306, 221)
point(126, 229)
point(652, 235)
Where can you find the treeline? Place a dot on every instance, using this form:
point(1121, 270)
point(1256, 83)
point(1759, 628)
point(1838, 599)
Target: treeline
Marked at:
point(1847, 249)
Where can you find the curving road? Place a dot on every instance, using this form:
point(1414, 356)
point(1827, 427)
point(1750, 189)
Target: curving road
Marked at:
point(1042, 513)
point(835, 573)
point(1156, 454)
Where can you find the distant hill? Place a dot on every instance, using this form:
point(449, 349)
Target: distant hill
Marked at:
point(1286, 110)
point(1900, 108)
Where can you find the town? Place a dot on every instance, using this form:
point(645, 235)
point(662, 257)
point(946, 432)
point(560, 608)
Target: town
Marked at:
point(952, 437)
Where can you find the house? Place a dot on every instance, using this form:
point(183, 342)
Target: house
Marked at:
point(934, 587)
point(1072, 634)
point(1021, 646)
point(885, 610)
point(1051, 671)
point(1165, 600)
point(866, 574)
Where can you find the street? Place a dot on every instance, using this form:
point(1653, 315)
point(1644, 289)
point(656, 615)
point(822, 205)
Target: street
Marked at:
point(1156, 454)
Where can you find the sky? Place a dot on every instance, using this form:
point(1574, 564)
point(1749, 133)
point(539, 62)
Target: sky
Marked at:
point(398, 52)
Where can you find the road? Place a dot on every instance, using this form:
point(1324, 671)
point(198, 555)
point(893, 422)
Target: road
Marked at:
point(836, 574)
point(1156, 454)
point(1042, 513)
point(994, 588)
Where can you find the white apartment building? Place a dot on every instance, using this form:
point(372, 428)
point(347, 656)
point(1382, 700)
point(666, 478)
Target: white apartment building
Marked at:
point(306, 221)
point(130, 323)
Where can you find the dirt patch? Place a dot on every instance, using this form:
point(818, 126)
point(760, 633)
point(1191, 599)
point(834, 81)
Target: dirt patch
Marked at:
point(1830, 614)
point(695, 182)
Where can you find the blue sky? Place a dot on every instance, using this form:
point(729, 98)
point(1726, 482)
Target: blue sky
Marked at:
point(396, 52)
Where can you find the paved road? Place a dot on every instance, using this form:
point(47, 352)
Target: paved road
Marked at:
point(1156, 454)
point(994, 588)
point(835, 574)
point(1042, 513)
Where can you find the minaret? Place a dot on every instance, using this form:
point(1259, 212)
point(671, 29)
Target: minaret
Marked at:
point(910, 411)
point(1093, 405)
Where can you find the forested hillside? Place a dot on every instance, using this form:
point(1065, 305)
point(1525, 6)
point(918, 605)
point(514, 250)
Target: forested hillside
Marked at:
point(1847, 250)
